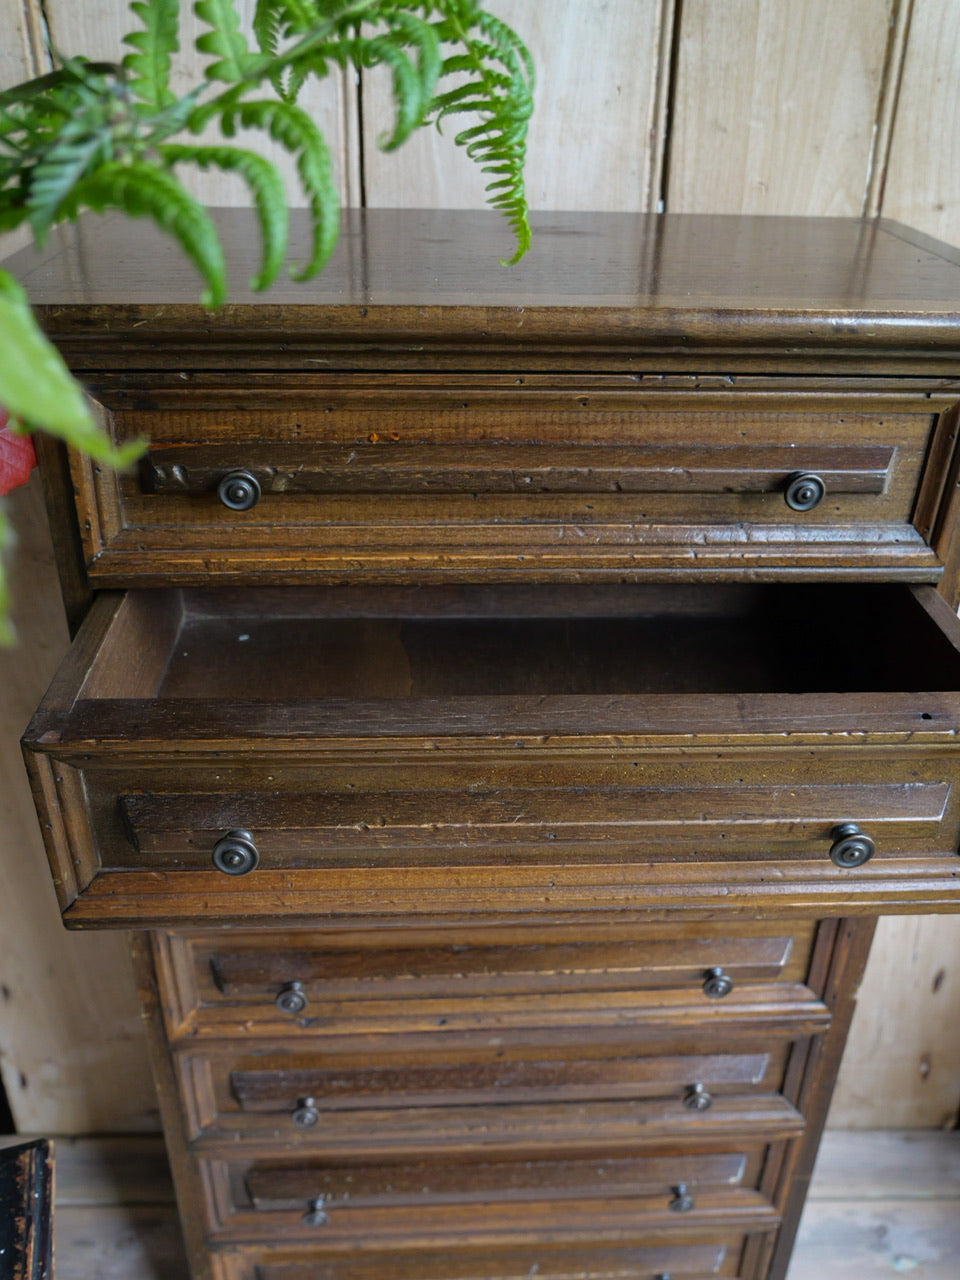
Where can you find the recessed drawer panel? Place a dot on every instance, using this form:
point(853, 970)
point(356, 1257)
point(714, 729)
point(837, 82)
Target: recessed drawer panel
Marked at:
point(248, 756)
point(696, 1256)
point(535, 478)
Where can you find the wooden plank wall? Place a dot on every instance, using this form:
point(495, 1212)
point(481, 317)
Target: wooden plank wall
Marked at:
point(745, 105)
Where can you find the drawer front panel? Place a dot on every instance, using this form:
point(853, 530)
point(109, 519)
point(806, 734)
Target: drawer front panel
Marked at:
point(491, 1097)
point(425, 483)
point(434, 790)
point(290, 979)
point(522, 1220)
point(320, 1201)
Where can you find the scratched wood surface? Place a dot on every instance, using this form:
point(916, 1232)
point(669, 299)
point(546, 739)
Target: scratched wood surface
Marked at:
point(815, 108)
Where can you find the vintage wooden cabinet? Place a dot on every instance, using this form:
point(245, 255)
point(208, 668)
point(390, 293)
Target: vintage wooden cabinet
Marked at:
point(505, 700)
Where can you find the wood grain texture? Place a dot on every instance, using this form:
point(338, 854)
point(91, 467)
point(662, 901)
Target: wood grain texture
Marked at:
point(69, 1022)
point(922, 186)
point(774, 106)
point(903, 1053)
point(904, 1046)
point(596, 135)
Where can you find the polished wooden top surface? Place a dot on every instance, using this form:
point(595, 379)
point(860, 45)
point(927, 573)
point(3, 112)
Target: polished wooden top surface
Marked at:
point(674, 280)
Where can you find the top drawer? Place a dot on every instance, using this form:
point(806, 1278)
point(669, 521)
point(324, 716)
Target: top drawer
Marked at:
point(414, 478)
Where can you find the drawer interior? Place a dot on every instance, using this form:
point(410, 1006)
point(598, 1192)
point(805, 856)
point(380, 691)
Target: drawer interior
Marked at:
point(400, 644)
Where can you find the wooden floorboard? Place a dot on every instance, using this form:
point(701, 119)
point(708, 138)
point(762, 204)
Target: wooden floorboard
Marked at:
point(880, 1205)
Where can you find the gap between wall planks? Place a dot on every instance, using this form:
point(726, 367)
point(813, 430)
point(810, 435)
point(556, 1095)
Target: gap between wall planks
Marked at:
point(813, 108)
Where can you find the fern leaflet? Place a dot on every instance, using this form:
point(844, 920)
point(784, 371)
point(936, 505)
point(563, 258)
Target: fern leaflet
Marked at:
point(153, 46)
point(266, 187)
point(289, 125)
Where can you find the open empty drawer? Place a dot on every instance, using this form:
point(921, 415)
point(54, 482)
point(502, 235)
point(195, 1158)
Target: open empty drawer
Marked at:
point(270, 754)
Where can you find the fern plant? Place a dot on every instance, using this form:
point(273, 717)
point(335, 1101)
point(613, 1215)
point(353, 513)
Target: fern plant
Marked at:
point(114, 135)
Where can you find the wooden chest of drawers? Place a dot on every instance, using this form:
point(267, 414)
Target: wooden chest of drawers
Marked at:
point(508, 701)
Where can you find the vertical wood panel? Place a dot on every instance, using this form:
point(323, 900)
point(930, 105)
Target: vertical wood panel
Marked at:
point(17, 62)
point(96, 28)
point(902, 1065)
point(72, 1048)
point(922, 184)
point(901, 1069)
point(775, 104)
point(594, 141)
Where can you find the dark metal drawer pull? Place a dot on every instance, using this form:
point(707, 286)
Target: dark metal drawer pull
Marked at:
point(316, 1215)
point(851, 847)
point(682, 1201)
point(717, 984)
point(239, 490)
point(697, 1098)
point(235, 853)
point(804, 491)
point(291, 998)
point(306, 1114)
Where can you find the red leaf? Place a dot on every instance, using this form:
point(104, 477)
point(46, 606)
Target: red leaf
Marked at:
point(17, 457)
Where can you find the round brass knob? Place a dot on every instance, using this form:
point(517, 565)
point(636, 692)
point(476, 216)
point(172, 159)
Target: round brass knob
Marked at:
point(851, 847)
point(682, 1201)
point(306, 1114)
point(696, 1098)
point(316, 1215)
point(291, 998)
point(717, 984)
point(239, 490)
point(804, 490)
point(235, 853)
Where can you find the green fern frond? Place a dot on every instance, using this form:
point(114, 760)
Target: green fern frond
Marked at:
point(140, 189)
point(57, 172)
point(226, 42)
point(266, 187)
point(412, 93)
point(36, 387)
point(289, 125)
point(511, 48)
point(408, 104)
point(154, 45)
point(267, 25)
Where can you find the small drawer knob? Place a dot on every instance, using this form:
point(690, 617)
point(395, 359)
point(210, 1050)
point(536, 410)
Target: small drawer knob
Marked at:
point(717, 984)
point(697, 1098)
point(682, 1201)
point(851, 847)
point(235, 854)
point(316, 1215)
point(239, 490)
point(804, 491)
point(306, 1114)
point(291, 998)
